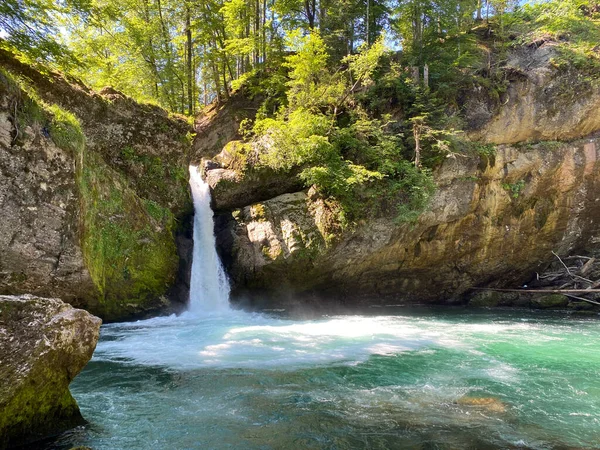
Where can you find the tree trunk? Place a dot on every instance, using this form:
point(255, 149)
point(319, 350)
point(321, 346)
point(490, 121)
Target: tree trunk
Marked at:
point(264, 31)
point(368, 22)
point(418, 31)
point(190, 63)
point(309, 11)
point(322, 14)
point(417, 135)
point(168, 54)
point(256, 51)
point(225, 84)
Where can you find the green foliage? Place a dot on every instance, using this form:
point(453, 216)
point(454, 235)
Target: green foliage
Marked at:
point(338, 179)
point(392, 90)
point(487, 150)
point(30, 29)
point(514, 189)
point(571, 23)
point(415, 188)
point(311, 84)
point(26, 107)
point(295, 140)
point(30, 111)
point(348, 155)
point(65, 130)
point(184, 54)
point(363, 64)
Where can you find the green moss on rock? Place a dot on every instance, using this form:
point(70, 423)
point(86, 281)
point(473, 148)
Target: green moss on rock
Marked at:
point(127, 242)
point(549, 301)
point(30, 111)
point(65, 129)
point(54, 343)
point(485, 299)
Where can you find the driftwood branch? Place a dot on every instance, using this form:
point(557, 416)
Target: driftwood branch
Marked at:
point(577, 257)
point(542, 291)
point(561, 261)
point(574, 276)
point(582, 299)
point(566, 292)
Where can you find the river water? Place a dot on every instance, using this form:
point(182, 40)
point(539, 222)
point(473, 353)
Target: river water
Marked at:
point(387, 378)
point(380, 378)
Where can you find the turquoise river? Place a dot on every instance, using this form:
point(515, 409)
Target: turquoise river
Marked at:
point(384, 378)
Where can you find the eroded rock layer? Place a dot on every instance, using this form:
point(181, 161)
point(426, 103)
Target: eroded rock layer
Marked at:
point(494, 220)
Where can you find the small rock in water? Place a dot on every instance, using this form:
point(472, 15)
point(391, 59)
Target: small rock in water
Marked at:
point(489, 404)
point(485, 299)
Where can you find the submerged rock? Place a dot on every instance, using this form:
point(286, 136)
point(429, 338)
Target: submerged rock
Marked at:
point(488, 404)
point(485, 299)
point(44, 344)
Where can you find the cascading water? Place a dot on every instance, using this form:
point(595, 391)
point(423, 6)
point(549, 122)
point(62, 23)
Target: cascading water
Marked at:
point(209, 287)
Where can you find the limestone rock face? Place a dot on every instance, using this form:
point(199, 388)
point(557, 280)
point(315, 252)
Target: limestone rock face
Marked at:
point(234, 189)
point(220, 124)
point(492, 222)
point(542, 103)
point(94, 195)
point(142, 142)
point(39, 228)
point(44, 344)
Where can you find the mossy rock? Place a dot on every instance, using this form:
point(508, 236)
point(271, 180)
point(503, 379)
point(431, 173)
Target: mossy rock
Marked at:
point(549, 301)
point(128, 243)
point(44, 344)
point(583, 306)
point(485, 299)
point(522, 301)
point(512, 299)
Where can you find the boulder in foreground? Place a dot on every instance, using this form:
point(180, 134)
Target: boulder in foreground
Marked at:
point(44, 344)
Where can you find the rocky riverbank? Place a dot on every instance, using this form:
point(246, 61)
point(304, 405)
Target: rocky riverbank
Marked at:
point(44, 344)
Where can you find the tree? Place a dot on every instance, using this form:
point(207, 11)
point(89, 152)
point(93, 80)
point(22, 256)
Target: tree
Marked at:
point(28, 26)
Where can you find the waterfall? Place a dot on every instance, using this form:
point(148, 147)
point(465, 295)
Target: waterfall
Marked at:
point(209, 287)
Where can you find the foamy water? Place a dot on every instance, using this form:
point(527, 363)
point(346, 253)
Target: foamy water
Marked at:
point(240, 380)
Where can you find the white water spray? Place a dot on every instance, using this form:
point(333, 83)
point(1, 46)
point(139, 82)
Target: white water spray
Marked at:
point(209, 287)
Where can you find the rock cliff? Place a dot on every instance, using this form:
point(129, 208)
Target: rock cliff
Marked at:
point(494, 221)
point(94, 195)
point(542, 102)
point(44, 344)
